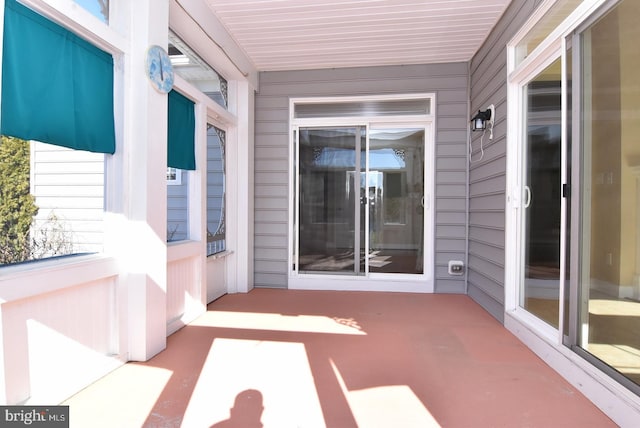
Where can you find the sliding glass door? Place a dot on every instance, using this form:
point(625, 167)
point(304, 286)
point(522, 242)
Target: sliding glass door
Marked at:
point(395, 193)
point(607, 272)
point(360, 200)
point(540, 286)
point(577, 208)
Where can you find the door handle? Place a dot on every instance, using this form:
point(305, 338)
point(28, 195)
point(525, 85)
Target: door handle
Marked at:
point(527, 198)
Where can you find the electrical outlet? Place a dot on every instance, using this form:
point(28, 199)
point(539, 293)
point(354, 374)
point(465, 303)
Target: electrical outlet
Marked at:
point(456, 267)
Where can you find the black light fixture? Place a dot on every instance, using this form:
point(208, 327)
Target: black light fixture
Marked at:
point(479, 121)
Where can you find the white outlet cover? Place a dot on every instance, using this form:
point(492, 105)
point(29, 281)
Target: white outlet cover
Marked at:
point(456, 267)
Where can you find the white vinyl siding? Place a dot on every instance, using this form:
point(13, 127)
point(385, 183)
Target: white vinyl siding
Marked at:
point(69, 184)
point(178, 209)
point(487, 178)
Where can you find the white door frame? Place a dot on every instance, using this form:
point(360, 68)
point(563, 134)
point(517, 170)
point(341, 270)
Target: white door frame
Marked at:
point(420, 283)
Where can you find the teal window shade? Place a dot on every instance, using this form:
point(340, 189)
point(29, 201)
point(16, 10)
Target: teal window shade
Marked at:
point(56, 87)
point(181, 132)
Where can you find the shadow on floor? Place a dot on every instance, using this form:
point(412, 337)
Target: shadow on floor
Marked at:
point(350, 359)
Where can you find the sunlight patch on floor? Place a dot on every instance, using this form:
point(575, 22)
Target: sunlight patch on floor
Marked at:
point(124, 398)
point(624, 358)
point(279, 322)
point(386, 406)
point(618, 308)
point(249, 380)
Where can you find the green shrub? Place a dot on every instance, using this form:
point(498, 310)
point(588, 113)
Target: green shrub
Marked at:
point(17, 205)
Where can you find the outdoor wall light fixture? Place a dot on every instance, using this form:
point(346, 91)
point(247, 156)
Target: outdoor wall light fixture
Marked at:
point(479, 121)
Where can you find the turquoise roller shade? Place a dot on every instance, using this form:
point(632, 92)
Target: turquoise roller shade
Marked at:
point(181, 132)
point(56, 87)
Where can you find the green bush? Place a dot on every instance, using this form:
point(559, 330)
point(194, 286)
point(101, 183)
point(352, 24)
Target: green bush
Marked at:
point(17, 205)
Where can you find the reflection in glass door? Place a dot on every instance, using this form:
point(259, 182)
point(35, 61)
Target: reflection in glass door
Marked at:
point(541, 207)
point(360, 210)
point(608, 276)
point(396, 200)
point(331, 163)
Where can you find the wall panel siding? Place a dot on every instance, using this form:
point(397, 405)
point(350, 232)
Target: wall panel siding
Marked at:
point(183, 291)
point(487, 177)
point(60, 341)
point(178, 209)
point(448, 81)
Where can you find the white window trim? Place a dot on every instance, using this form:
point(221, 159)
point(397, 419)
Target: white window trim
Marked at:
point(547, 51)
point(80, 21)
point(616, 401)
point(350, 120)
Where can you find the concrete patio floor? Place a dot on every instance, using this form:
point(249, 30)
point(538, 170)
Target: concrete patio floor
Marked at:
point(280, 358)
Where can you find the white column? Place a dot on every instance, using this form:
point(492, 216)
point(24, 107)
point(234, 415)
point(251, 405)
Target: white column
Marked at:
point(144, 251)
point(244, 167)
point(239, 192)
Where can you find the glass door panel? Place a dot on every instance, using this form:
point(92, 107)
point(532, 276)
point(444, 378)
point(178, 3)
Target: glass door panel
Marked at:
point(542, 196)
point(331, 168)
point(609, 272)
point(395, 191)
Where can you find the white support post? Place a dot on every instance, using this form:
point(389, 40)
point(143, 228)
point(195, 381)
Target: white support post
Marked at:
point(239, 191)
point(244, 170)
point(144, 250)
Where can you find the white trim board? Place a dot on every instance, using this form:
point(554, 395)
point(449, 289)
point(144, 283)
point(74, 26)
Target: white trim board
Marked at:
point(617, 402)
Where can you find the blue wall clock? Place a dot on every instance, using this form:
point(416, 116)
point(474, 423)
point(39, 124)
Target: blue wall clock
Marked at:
point(159, 69)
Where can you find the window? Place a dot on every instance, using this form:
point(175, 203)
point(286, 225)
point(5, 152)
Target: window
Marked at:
point(98, 8)
point(188, 65)
point(174, 176)
point(216, 239)
point(551, 19)
point(51, 201)
point(180, 155)
point(55, 137)
point(365, 107)
point(73, 108)
point(178, 206)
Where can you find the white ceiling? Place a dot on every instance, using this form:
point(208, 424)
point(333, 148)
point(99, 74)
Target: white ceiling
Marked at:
point(310, 34)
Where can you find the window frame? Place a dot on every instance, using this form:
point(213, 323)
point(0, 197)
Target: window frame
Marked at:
point(112, 40)
point(206, 111)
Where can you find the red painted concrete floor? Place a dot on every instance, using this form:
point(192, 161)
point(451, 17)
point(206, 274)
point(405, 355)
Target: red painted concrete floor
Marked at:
point(278, 358)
